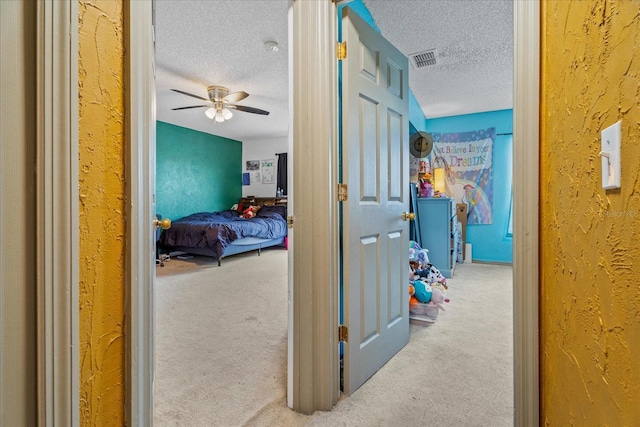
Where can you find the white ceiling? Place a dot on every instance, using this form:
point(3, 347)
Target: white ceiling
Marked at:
point(202, 43)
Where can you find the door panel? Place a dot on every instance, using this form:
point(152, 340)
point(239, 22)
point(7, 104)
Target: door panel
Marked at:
point(394, 139)
point(370, 153)
point(396, 293)
point(375, 168)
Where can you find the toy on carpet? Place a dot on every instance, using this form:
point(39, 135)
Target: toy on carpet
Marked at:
point(412, 299)
point(427, 285)
point(429, 309)
point(417, 254)
point(422, 291)
point(437, 298)
point(432, 276)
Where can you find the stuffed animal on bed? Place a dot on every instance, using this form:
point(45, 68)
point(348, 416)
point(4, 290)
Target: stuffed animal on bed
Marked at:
point(250, 212)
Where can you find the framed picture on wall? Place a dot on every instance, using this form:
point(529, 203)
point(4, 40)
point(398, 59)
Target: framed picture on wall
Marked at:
point(253, 165)
point(268, 171)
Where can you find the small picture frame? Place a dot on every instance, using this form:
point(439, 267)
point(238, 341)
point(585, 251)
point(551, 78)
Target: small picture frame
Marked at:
point(253, 165)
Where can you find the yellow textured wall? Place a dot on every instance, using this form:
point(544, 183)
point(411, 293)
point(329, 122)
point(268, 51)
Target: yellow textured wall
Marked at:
point(590, 250)
point(102, 225)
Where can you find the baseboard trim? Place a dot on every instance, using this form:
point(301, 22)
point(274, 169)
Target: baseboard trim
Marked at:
point(479, 261)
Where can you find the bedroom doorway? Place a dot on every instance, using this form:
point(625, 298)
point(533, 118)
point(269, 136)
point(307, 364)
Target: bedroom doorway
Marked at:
point(206, 315)
point(526, 131)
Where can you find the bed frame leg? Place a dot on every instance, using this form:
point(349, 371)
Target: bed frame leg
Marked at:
point(219, 263)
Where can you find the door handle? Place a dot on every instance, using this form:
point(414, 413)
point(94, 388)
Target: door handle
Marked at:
point(408, 216)
point(164, 223)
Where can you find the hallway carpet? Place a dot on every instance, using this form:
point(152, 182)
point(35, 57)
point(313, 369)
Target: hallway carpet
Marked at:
point(221, 339)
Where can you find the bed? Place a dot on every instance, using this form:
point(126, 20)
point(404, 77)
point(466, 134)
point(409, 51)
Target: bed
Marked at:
point(224, 233)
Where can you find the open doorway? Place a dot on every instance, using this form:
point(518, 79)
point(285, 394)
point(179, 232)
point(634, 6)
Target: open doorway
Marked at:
point(221, 328)
point(517, 222)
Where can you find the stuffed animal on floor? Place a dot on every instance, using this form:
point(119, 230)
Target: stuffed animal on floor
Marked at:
point(416, 253)
point(432, 275)
point(440, 286)
point(423, 291)
point(437, 298)
point(413, 301)
point(250, 212)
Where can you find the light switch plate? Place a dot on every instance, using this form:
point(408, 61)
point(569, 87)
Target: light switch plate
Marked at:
point(610, 156)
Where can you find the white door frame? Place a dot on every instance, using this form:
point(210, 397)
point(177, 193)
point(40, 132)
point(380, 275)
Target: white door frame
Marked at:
point(314, 296)
point(139, 169)
point(315, 359)
point(526, 182)
point(57, 215)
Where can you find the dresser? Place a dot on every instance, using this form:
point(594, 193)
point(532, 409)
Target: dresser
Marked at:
point(437, 225)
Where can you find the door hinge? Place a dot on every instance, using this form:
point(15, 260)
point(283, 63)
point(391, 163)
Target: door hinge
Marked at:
point(290, 221)
point(342, 192)
point(343, 333)
point(341, 50)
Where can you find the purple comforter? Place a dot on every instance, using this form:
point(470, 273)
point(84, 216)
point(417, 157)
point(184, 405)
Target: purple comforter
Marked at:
point(216, 230)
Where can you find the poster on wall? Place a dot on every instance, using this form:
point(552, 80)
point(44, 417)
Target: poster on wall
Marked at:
point(254, 177)
point(268, 172)
point(245, 179)
point(467, 158)
point(253, 165)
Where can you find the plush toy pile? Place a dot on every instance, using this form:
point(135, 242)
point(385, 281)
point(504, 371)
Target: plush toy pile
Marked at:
point(427, 286)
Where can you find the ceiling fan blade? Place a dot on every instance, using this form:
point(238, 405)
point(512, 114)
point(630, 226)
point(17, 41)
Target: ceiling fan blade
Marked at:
point(249, 109)
point(192, 106)
point(235, 96)
point(189, 94)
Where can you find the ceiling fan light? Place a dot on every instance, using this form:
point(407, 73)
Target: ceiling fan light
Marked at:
point(211, 112)
point(219, 117)
point(226, 113)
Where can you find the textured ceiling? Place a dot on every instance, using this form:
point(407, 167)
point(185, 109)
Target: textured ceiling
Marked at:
point(202, 43)
point(474, 42)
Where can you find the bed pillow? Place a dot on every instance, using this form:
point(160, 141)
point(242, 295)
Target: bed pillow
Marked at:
point(281, 210)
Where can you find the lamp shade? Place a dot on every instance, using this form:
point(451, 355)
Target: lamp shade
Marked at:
point(438, 179)
point(211, 112)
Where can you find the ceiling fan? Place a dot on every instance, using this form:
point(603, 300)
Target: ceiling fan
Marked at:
point(220, 103)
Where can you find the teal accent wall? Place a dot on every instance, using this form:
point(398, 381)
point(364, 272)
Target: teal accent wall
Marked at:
point(195, 171)
point(490, 242)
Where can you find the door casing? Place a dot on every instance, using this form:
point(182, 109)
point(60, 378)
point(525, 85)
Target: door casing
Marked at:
point(140, 172)
point(57, 200)
point(313, 390)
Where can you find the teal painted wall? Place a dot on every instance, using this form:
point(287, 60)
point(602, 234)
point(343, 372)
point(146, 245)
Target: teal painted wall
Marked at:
point(195, 171)
point(490, 242)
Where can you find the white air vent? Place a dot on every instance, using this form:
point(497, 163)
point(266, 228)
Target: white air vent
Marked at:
point(424, 59)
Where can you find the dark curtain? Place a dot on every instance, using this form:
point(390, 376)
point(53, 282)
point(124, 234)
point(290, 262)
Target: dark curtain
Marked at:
point(282, 172)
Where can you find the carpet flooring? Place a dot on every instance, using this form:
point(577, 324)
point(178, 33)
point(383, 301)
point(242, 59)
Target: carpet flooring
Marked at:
point(221, 339)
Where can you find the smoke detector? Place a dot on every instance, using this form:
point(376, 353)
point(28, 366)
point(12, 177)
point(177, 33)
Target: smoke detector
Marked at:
point(424, 59)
